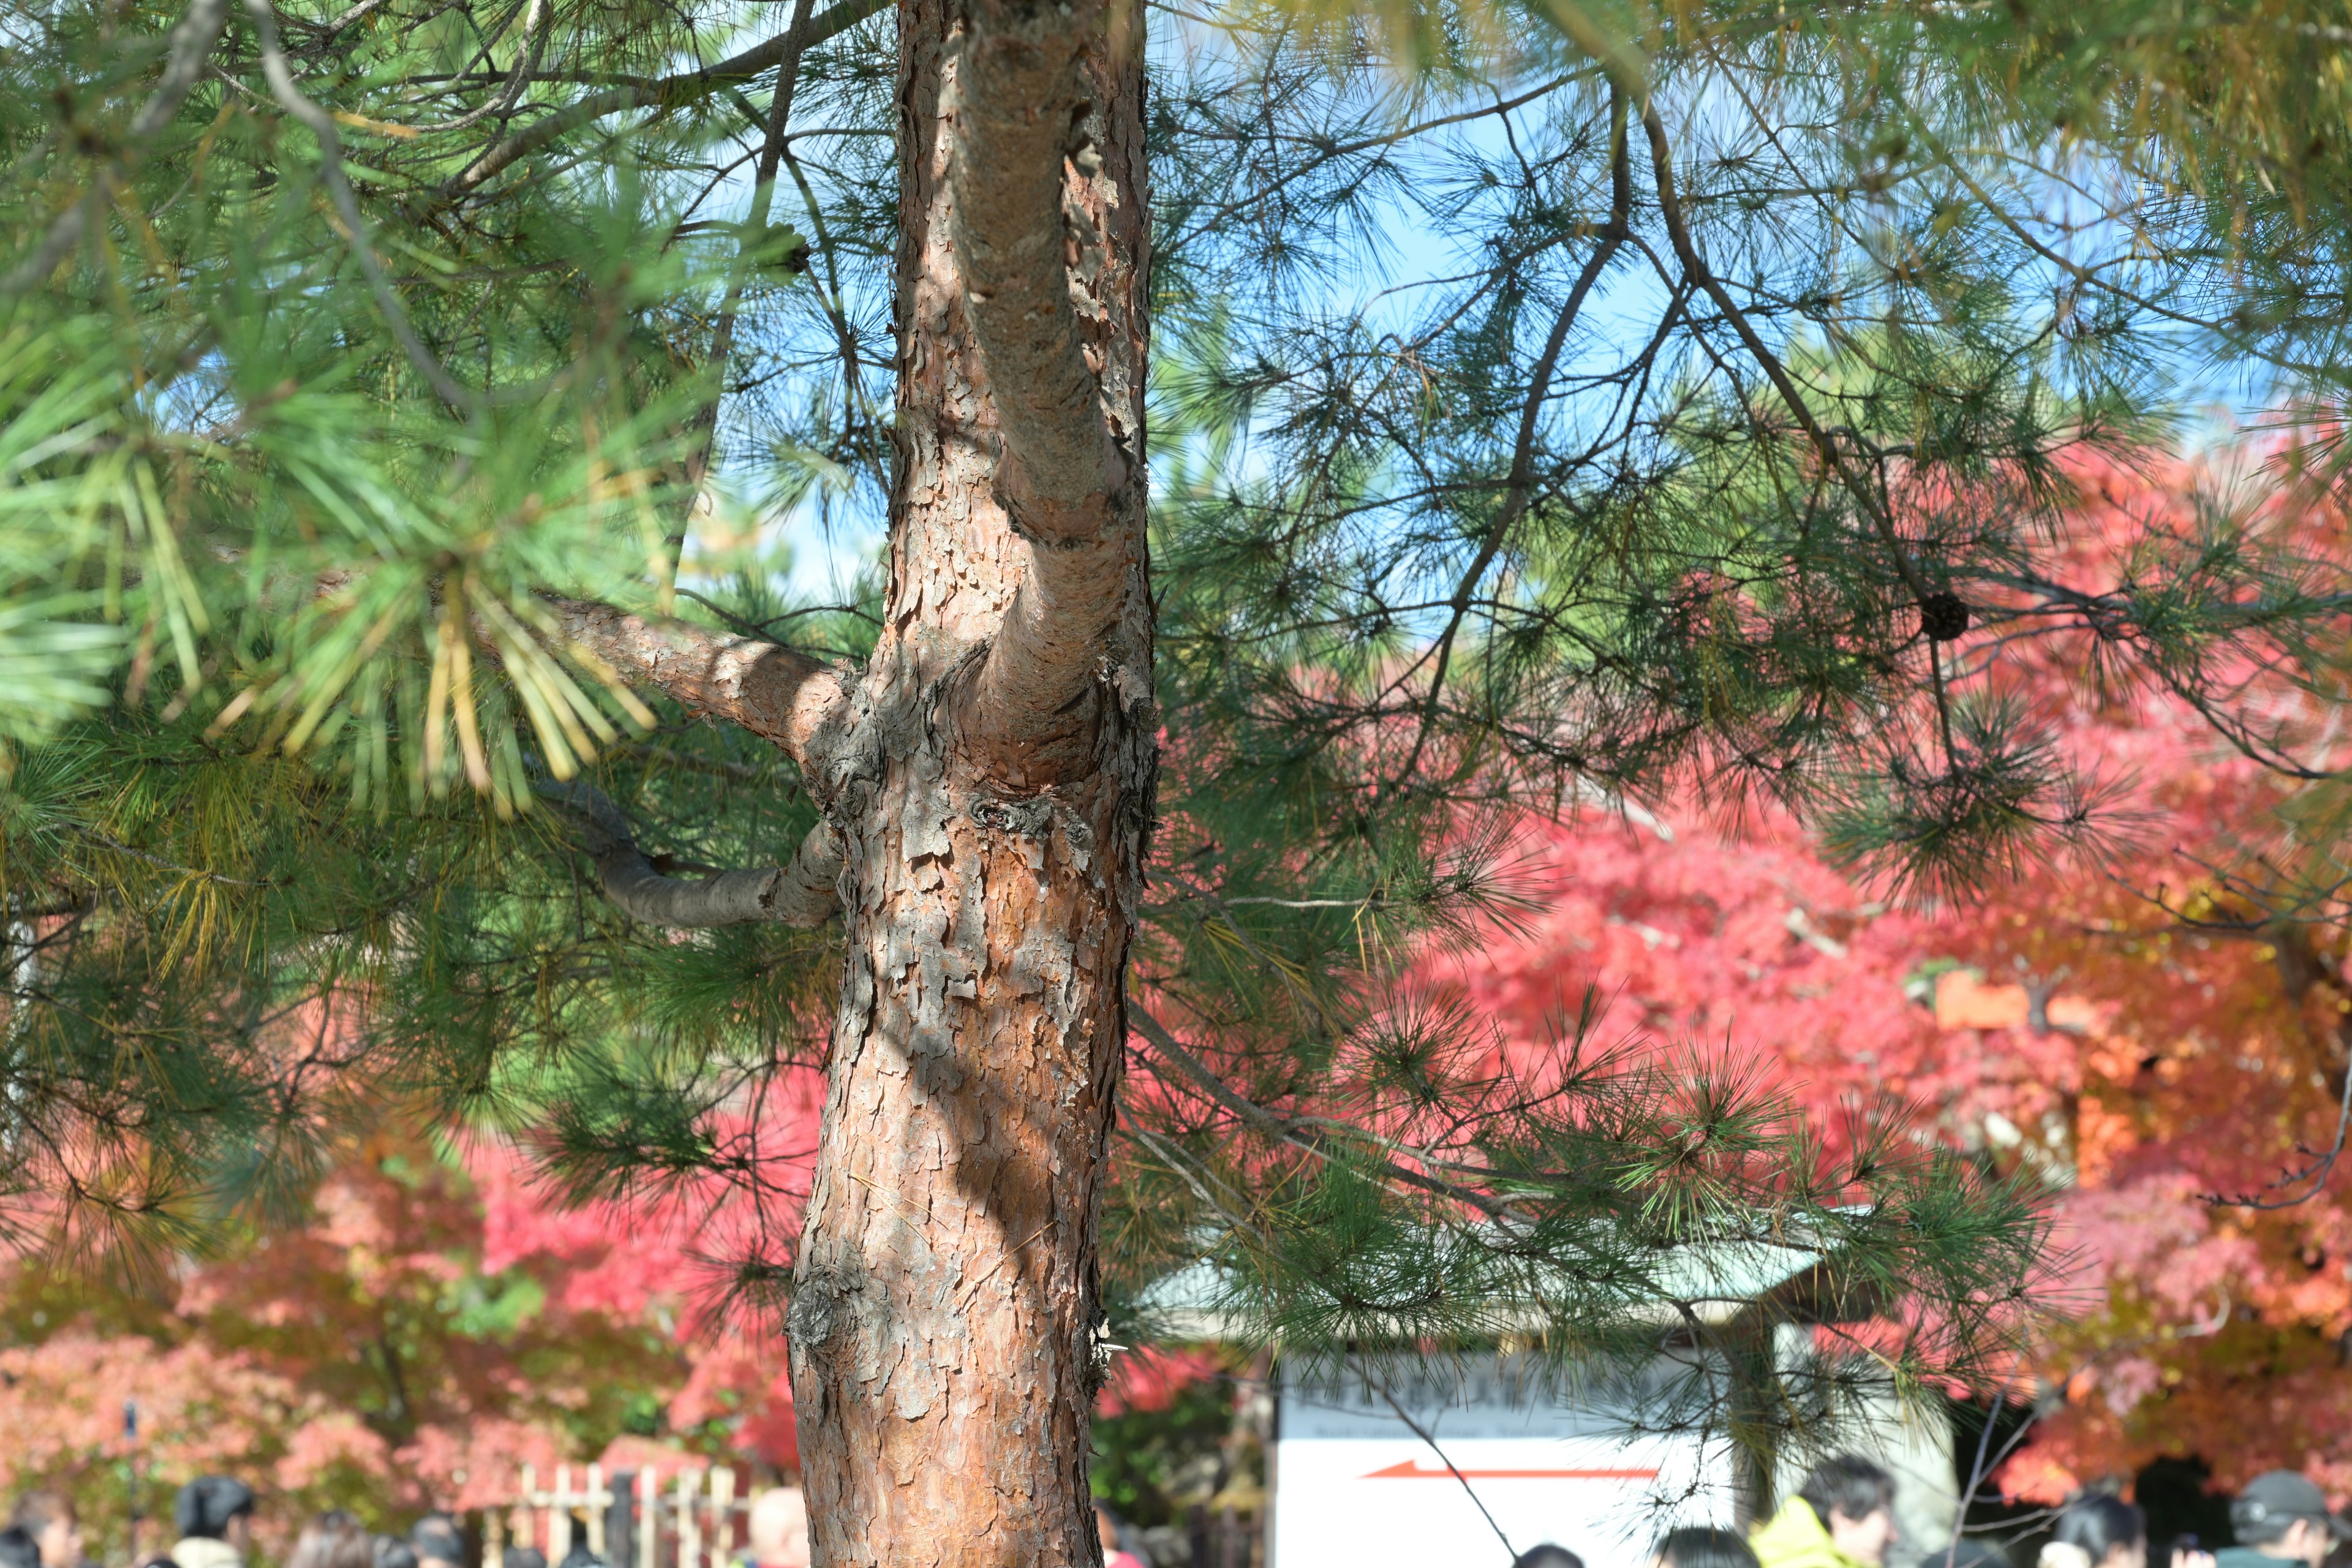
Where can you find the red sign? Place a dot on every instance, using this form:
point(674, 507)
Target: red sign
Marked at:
point(1409, 1469)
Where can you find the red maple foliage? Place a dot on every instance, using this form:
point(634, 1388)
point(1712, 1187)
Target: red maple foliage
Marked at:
point(435, 1322)
point(2132, 1029)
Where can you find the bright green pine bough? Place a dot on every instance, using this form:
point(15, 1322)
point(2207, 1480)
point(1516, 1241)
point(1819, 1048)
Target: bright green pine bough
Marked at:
point(355, 359)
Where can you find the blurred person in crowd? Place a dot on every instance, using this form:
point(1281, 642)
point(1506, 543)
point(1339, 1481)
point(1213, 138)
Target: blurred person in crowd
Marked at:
point(522, 1557)
point(48, 1517)
point(392, 1551)
point(437, 1542)
point(579, 1556)
point(335, 1539)
point(2097, 1531)
point(1112, 1533)
point(1547, 1556)
point(18, 1549)
point(1703, 1546)
point(1842, 1516)
point(777, 1529)
point(215, 1517)
point(2281, 1517)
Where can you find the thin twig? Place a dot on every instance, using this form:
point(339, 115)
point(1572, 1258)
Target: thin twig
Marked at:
point(1521, 483)
point(330, 171)
point(190, 42)
point(683, 88)
point(526, 66)
point(754, 235)
point(853, 384)
point(1670, 207)
point(2316, 1173)
point(1380, 1383)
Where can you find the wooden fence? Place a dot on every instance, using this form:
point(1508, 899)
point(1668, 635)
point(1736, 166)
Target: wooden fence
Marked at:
point(628, 1520)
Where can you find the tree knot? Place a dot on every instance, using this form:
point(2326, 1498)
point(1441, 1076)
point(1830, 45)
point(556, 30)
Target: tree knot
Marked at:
point(1024, 818)
point(821, 1310)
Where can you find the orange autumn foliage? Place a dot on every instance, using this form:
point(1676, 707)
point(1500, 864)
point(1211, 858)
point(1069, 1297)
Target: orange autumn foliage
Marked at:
point(434, 1323)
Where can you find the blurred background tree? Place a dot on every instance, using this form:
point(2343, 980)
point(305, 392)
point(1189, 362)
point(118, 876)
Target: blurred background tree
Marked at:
point(437, 1323)
point(2157, 1039)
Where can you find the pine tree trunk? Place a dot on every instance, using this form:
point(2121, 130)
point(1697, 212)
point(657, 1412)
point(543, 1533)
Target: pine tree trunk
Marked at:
point(944, 1320)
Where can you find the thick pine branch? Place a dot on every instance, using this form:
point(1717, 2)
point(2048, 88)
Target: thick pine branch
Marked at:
point(779, 694)
point(801, 894)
